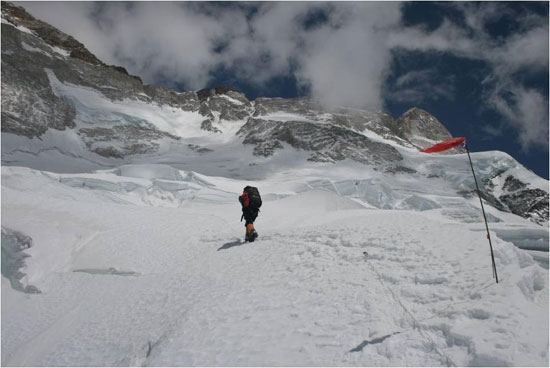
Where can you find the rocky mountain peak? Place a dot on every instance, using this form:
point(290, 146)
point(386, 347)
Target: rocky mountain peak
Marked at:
point(18, 16)
point(421, 128)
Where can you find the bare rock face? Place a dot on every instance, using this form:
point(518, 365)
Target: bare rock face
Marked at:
point(208, 126)
point(29, 106)
point(359, 121)
point(526, 202)
point(331, 135)
point(328, 143)
point(516, 197)
point(300, 106)
point(362, 121)
point(222, 104)
point(205, 94)
point(187, 101)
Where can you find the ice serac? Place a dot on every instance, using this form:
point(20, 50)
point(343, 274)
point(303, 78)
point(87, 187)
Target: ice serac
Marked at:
point(14, 244)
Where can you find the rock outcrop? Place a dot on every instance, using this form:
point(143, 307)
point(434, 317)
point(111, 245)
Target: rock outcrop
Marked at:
point(327, 143)
point(422, 129)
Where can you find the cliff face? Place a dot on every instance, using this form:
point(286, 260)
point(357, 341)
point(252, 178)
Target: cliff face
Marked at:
point(518, 197)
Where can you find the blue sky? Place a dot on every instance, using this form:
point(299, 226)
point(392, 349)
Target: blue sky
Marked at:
point(480, 68)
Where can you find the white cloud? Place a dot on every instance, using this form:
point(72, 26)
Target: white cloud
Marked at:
point(167, 40)
point(414, 77)
point(266, 47)
point(348, 65)
point(342, 61)
point(423, 85)
point(529, 49)
point(491, 131)
point(526, 111)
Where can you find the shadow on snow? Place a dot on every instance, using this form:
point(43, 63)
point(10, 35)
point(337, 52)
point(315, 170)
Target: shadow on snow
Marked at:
point(234, 243)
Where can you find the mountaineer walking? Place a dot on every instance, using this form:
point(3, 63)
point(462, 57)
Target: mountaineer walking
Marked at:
point(251, 203)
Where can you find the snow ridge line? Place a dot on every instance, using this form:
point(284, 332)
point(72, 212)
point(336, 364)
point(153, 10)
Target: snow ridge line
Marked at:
point(416, 325)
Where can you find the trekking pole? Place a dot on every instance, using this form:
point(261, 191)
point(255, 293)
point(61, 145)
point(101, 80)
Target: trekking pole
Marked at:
point(484, 217)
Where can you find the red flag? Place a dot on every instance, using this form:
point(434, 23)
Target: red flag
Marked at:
point(445, 145)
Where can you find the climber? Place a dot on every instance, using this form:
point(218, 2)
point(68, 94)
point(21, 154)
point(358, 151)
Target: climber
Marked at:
point(251, 203)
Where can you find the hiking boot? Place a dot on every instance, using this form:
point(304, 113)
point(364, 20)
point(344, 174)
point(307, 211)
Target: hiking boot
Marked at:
point(251, 236)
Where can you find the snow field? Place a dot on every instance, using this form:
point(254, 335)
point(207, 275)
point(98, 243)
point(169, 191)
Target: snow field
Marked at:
point(126, 281)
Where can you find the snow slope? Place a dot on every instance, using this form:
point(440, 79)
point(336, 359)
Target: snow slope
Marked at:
point(144, 265)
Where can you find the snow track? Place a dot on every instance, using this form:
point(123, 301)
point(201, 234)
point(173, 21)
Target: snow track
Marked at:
point(328, 283)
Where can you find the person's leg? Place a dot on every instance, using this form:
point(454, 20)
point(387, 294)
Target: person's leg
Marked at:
point(250, 216)
point(249, 224)
point(251, 232)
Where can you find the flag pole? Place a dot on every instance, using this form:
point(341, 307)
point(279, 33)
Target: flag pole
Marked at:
point(484, 216)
